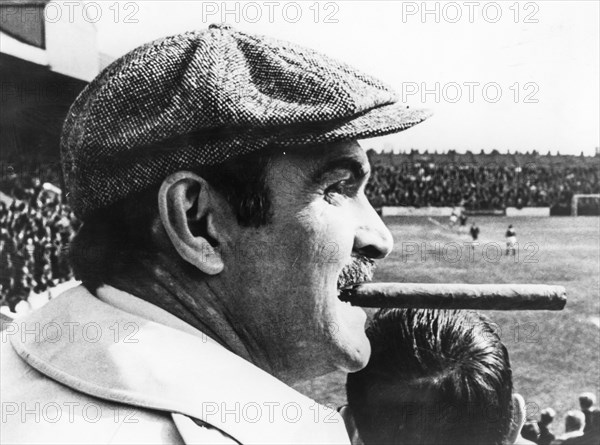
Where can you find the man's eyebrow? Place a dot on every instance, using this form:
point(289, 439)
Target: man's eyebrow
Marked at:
point(358, 169)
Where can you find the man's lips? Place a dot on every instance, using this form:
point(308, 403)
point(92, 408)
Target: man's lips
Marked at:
point(344, 292)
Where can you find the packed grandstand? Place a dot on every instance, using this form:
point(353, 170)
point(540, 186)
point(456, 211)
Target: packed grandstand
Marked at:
point(481, 182)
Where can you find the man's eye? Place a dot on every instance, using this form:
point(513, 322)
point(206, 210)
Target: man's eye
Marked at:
point(340, 187)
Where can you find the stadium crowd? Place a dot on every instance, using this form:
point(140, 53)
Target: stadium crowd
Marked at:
point(492, 187)
point(582, 427)
point(35, 227)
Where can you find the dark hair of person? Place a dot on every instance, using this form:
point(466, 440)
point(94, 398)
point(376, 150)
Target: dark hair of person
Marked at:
point(112, 240)
point(546, 418)
point(434, 377)
point(531, 431)
point(585, 402)
point(573, 422)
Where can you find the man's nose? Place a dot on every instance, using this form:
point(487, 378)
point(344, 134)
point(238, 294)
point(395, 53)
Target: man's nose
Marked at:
point(372, 239)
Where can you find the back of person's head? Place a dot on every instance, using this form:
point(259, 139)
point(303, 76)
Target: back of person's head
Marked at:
point(574, 421)
point(531, 431)
point(547, 416)
point(434, 377)
point(587, 400)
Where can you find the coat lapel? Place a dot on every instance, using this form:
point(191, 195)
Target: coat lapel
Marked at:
point(106, 352)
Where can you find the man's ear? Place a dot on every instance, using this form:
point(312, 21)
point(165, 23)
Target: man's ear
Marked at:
point(518, 418)
point(185, 212)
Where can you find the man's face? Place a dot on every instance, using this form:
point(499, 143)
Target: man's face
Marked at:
point(285, 275)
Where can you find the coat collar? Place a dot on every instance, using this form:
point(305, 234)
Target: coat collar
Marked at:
point(110, 353)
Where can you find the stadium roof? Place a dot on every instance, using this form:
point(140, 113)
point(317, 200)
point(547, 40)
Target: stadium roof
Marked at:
point(67, 47)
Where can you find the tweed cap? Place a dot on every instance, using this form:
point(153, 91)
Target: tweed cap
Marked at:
point(202, 97)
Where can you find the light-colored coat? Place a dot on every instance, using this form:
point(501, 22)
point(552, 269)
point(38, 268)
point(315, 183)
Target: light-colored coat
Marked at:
point(119, 370)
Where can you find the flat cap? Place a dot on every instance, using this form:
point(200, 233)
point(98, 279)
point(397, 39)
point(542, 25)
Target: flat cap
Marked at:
point(202, 97)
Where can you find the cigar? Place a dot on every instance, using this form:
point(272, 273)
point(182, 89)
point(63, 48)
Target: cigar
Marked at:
point(498, 297)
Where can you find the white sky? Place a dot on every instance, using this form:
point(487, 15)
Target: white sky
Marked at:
point(559, 55)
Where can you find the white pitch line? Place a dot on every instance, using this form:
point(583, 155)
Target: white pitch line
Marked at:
point(439, 224)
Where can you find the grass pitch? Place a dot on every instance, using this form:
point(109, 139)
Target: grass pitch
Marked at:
point(554, 355)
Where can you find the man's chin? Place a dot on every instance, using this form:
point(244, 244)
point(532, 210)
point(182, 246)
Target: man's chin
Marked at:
point(355, 359)
point(353, 347)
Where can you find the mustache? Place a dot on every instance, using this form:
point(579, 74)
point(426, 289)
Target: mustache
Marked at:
point(358, 271)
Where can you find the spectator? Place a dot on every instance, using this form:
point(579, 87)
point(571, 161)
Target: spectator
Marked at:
point(546, 418)
point(530, 432)
point(434, 377)
point(591, 435)
point(574, 422)
point(586, 403)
